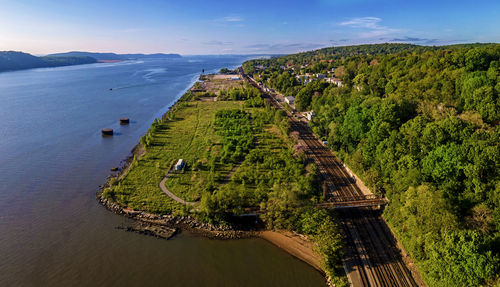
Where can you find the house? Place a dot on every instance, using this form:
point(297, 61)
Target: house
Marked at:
point(290, 100)
point(335, 81)
point(320, 76)
point(235, 78)
point(309, 115)
point(179, 165)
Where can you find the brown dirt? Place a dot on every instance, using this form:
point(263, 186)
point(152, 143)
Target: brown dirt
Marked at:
point(215, 83)
point(295, 244)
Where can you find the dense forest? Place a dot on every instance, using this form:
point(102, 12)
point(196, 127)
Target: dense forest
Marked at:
point(420, 126)
point(10, 61)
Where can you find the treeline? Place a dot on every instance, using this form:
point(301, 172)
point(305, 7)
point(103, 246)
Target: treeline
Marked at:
point(251, 95)
point(10, 61)
point(273, 177)
point(420, 126)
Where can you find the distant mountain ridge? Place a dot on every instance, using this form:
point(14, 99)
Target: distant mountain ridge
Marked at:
point(114, 56)
point(13, 60)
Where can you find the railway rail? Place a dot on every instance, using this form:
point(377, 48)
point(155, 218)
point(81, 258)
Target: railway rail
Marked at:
point(371, 256)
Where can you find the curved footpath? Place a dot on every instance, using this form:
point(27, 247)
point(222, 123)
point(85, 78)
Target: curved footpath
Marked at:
point(170, 194)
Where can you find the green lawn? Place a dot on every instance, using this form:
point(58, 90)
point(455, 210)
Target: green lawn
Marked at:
point(189, 136)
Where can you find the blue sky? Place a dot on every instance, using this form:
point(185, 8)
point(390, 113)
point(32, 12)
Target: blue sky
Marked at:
point(229, 27)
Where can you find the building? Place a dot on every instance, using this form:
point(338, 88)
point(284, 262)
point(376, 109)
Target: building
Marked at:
point(320, 76)
point(179, 165)
point(309, 115)
point(290, 100)
point(335, 81)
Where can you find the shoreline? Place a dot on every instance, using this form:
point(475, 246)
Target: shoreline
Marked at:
point(297, 245)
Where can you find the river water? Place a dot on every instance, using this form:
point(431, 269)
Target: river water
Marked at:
point(52, 160)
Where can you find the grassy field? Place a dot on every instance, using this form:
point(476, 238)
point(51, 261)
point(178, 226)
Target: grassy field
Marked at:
point(189, 136)
point(266, 172)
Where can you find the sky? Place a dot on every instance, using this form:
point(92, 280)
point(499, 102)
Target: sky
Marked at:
point(239, 27)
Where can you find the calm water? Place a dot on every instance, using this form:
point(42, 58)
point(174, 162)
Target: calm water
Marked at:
point(52, 160)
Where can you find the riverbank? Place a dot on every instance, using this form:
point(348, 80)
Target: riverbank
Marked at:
point(222, 181)
point(167, 226)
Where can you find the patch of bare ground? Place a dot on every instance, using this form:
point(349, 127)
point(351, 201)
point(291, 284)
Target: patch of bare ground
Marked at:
point(213, 84)
point(295, 244)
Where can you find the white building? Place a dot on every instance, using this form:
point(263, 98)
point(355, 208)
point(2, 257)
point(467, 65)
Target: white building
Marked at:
point(179, 165)
point(320, 76)
point(309, 115)
point(290, 100)
point(335, 81)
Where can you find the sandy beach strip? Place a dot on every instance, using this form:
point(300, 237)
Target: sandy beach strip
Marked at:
point(296, 245)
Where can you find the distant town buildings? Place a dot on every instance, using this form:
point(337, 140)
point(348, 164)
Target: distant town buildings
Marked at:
point(335, 81)
point(309, 115)
point(320, 76)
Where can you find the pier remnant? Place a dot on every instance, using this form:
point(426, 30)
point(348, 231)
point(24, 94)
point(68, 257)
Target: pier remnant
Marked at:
point(124, 121)
point(107, 132)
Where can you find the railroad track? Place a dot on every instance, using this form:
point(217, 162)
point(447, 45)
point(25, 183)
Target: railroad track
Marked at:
point(371, 253)
point(371, 256)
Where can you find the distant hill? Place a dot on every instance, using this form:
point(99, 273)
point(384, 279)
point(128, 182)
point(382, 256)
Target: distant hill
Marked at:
point(12, 60)
point(113, 56)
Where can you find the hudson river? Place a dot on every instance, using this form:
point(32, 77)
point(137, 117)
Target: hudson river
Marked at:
point(52, 160)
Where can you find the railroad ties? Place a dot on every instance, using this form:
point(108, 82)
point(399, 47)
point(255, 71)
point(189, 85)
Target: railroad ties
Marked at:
point(371, 255)
point(340, 188)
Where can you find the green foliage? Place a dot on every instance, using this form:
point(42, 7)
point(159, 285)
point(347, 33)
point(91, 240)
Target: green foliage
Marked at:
point(236, 131)
point(419, 125)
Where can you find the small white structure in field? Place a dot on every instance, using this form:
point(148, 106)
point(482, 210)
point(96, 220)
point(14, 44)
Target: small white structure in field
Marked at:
point(179, 165)
point(290, 100)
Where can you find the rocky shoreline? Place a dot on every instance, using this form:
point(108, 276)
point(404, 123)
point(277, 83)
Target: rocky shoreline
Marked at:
point(154, 225)
point(167, 226)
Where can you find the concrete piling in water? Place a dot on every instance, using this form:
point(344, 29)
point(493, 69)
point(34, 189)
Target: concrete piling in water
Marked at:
point(107, 132)
point(124, 121)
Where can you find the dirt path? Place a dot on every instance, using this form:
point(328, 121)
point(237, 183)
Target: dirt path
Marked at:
point(170, 194)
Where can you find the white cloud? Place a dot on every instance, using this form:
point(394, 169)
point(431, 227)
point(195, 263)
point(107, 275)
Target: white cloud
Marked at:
point(364, 22)
point(230, 19)
point(371, 27)
point(217, 43)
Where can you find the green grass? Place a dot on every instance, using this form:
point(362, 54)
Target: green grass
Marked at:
point(189, 136)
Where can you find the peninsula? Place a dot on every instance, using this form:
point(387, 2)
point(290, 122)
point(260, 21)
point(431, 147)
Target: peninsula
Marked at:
point(259, 150)
point(238, 160)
